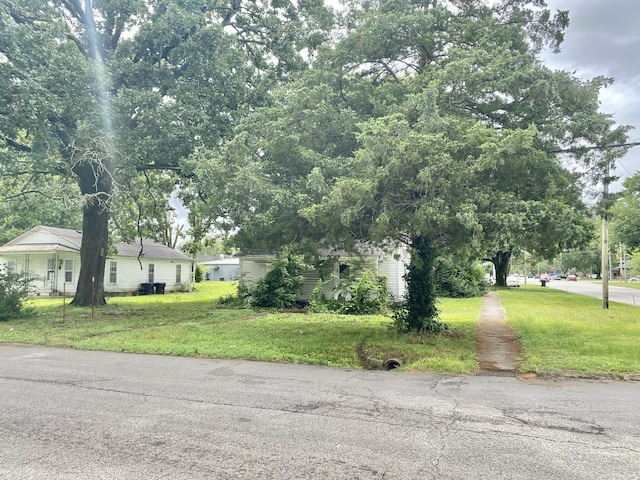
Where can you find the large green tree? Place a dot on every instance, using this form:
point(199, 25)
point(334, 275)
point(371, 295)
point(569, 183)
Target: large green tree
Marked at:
point(26, 201)
point(97, 90)
point(427, 123)
point(626, 214)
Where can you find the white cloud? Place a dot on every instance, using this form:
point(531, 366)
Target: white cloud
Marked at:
point(603, 39)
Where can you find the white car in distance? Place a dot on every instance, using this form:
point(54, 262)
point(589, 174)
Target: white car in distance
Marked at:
point(513, 281)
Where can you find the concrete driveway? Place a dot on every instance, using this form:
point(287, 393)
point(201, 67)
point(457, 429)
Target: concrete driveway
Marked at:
point(67, 414)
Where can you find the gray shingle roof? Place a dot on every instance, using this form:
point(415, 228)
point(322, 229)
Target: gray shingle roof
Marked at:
point(148, 249)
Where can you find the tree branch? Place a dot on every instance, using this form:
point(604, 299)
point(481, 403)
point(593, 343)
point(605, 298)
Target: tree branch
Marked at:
point(17, 15)
point(78, 43)
point(16, 145)
point(143, 168)
point(75, 9)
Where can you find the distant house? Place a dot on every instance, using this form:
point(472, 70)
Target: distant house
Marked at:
point(221, 267)
point(391, 265)
point(623, 270)
point(53, 256)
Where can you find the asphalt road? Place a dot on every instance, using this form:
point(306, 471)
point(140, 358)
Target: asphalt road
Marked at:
point(67, 414)
point(617, 293)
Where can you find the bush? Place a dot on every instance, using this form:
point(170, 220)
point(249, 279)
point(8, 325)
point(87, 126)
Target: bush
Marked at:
point(199, 273)
point(355, 295)
point(14, 290)
point(319, 302)
point(231, 301)
point(363, 295)
point(459, 279)
point(401, 321)
point(280, 287)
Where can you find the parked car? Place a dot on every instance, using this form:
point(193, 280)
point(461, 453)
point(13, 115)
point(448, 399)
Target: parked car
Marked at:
point(634, 279)
point(572, 278)
point(556, 277)
point(513, 281)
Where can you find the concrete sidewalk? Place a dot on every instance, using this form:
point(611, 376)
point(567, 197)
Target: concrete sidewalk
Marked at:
point(497, 348)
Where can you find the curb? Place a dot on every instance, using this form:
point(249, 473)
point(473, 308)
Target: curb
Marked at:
point(621, 377)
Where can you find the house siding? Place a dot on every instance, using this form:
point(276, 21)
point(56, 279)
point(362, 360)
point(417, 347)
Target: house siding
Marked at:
point(129, 273)
point(394, 271)
point(222, 272)
point(254, 268)
point(310, 281)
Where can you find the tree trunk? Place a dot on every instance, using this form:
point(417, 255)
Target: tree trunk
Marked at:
point(96, 185)
point(421, 290)
point(501, 262)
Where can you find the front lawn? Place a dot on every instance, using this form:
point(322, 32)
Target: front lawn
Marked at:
point(191, 324)
point(561, 331)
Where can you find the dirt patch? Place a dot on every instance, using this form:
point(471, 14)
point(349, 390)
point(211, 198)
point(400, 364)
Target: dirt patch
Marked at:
point(497, 348)
point(362, 357)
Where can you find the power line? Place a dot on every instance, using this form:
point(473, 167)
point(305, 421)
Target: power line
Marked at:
point(597, 147)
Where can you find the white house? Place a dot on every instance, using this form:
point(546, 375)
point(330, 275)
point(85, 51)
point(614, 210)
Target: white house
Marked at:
point(53, 256)
point(220, 268)
point(392, 265)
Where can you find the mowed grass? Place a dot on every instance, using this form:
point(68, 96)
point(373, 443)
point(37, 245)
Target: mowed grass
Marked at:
point(193, 324)
point(559, 332)
point(563, 332)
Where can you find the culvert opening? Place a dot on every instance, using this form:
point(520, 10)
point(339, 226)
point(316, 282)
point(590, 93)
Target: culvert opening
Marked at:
point(392, 364)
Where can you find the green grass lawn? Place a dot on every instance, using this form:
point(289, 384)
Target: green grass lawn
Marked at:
point(191, 324)
point(561, 332)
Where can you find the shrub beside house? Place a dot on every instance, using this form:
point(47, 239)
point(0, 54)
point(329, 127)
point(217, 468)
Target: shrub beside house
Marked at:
point(336, 264)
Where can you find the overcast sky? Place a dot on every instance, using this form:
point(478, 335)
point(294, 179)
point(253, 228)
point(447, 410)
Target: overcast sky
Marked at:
point(603, 38)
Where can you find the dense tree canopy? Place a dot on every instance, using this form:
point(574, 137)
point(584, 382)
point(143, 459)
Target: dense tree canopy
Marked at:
point(626, 214)
point(25, 202)
point(97, 90)
point(428, 123)
point(424, 122)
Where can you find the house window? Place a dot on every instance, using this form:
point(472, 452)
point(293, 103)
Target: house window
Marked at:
point(151, 273)
point(113, 271)
point(11, 266)
point(68, 271)
point(344, 270)
point(178, 273)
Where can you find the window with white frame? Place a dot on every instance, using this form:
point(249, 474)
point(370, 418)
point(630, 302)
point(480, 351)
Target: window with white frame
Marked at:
point(151, 270)
point(178, 273)
point(11, 266)
point(113, 272)
point(68, 270)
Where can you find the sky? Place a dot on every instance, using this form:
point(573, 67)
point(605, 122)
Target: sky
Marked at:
point(603, 39)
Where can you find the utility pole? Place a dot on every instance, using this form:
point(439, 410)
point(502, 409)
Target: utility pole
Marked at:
point(605, 262)
point(605, 221)
point(605, 240)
